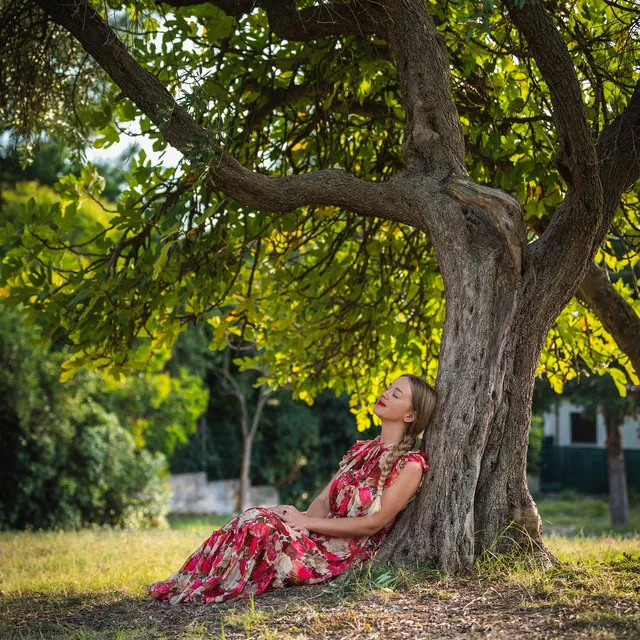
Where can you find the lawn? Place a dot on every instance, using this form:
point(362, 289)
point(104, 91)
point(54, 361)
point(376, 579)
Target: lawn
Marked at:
point(573, 514)
point(91, 585)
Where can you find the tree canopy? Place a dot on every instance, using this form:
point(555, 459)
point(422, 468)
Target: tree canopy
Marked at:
point(341, 299)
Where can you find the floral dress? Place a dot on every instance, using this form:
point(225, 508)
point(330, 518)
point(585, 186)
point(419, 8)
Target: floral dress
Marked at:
point(256, 551)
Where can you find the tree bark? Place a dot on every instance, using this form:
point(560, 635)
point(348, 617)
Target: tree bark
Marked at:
point(618, 493)
point(245, 479)
point(617, 316)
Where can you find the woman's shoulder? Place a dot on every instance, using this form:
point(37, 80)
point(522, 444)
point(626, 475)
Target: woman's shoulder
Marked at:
point(414, 456)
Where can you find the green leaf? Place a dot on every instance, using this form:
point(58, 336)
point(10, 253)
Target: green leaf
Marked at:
point(162, 260)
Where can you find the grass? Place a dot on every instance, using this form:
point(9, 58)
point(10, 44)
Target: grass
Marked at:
point(573, 514)
point(90, 585)
point(197, 520)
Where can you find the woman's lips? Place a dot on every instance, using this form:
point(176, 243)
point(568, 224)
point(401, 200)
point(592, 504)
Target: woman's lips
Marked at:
point(381, 403)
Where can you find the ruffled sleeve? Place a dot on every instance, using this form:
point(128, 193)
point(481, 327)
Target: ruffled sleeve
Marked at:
point(415, 456)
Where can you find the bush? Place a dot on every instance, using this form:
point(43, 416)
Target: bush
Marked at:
point(65, 462)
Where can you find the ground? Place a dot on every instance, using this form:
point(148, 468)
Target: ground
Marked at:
point(90, 585)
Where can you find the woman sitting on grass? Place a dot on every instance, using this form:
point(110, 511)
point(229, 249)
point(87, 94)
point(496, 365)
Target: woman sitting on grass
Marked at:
point(270, 548)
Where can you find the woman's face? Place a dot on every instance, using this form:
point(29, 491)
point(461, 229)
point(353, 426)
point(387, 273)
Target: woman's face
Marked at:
point(395, 402)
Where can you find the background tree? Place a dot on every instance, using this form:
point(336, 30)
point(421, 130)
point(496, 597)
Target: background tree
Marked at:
point(296, 447)
point(88, 451)
point(249, 418)
point(600, 395)
point(384, 218)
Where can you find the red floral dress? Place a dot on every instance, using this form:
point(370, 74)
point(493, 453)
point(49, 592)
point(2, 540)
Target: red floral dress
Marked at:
point(256, 551)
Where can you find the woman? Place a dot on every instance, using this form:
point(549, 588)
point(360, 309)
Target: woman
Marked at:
point(264, 549)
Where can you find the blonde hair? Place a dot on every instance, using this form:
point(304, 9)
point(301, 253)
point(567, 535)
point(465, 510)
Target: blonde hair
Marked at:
point(423, 399)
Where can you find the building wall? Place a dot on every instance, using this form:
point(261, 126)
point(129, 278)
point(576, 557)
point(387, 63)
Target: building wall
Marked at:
point(583, 469)
point(193, 494)
point(557, 424)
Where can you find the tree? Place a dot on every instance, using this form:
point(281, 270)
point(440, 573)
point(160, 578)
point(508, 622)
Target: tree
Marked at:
point(160, 410)
point(248, 425)
point(599, 394)
point(408, 221)
point(52, 162)
point(296, 447)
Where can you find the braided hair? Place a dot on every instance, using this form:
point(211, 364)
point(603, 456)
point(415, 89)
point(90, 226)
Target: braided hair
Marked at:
point(423, 399)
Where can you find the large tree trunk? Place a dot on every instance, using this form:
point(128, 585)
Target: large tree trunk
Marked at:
point(503, 295)
point(618, 494)
point(480, 498)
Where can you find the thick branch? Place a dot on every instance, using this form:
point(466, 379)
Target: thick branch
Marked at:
point(331, 187)
point(571, 240)
point(433, 137)
point(618, 150)
point(552, 57)
point(327, 20)
point(616, 314)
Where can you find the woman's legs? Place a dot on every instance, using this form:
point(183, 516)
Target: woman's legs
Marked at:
point(239, 559)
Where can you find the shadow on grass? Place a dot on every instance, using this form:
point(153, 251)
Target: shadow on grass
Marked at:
point(33, 615)
point(566, 606)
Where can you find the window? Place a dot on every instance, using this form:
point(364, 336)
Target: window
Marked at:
point(583, 429)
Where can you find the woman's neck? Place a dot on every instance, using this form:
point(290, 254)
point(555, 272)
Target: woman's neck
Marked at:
point(391, 436)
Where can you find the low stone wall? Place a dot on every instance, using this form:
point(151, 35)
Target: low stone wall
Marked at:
point(193, 494)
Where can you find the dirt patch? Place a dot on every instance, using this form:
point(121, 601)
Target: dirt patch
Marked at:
point(450, 608)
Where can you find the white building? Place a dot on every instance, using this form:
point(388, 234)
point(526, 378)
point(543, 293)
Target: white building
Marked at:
point(574, 451)
point(569, 428)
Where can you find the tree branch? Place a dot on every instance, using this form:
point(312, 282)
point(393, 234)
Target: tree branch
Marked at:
point(327, 20)
point(433, 138)
point(616, 314)
point(578, 226)
point(331, 187)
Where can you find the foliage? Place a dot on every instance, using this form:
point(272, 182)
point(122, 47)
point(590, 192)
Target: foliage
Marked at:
point(65, 462)
point(159, 410)
point(67, 99)
point(330, 299)
point(52, 162)
point(297, 448)
point(534, 450)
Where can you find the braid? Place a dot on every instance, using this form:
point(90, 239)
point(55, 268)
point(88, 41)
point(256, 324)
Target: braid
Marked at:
point(405, 445)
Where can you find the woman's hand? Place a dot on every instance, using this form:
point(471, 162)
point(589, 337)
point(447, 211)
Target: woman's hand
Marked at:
point(294, 518)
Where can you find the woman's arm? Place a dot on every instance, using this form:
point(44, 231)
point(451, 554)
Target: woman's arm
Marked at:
point(320, 508)
point(393, 499)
